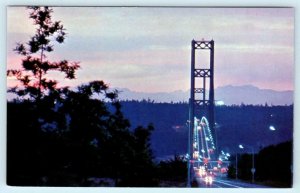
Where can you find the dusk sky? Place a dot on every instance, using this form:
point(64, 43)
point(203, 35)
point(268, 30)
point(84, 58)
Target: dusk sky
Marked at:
point(148, 49)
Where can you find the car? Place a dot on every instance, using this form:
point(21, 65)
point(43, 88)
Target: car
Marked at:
point(208, 180)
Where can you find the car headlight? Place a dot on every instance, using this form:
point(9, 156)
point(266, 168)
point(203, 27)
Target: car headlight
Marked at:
point(208, 180)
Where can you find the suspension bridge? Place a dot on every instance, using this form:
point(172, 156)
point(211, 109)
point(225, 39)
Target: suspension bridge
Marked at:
point(202, 149)
point(206, 162)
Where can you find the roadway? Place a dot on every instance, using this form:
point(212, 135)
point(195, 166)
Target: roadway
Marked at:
point(220, 182)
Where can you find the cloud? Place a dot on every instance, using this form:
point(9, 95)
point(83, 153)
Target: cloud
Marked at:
point(148, 49)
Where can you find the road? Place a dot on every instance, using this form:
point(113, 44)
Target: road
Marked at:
point(220, 182)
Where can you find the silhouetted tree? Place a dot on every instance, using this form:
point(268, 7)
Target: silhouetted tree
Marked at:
point(64, 137)
point(274, 164)
point(141, 169)
point(82, 136)
point(231, 171)
point(173, 169)
point(34, 127)
point(35, 64)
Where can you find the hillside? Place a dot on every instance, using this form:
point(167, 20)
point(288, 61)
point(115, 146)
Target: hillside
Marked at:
point(245, 124)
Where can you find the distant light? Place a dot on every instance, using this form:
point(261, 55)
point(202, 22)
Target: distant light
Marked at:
point(272, 128)
point(241, 146)
point(220, 103)
point(208, 180)
point(187, 156)
point(227, 154)
point(94, 142)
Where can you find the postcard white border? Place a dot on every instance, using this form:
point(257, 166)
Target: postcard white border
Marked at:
point(207, 3)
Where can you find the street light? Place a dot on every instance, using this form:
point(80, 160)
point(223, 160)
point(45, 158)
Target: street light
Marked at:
point(253, 165)
point(272, 128)
point(236, 162)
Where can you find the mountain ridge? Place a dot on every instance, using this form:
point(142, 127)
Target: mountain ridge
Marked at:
point(229, 94)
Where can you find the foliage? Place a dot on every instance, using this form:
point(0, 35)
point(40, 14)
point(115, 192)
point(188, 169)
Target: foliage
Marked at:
point(235, 124)
point(231, 171)
point(173, 169)
point(74, 134)
point(35, 64)
point(66, 137)
point(273, 165)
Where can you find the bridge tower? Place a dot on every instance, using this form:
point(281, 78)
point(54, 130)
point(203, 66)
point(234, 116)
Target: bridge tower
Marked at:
point(199, 103)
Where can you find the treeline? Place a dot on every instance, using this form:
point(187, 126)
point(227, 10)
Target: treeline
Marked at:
point(68, 139)
point(151, 101)
point(58, 136)
point(273, 164)
point(248, 124)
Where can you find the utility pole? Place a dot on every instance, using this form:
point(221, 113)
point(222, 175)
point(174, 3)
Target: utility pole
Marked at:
point(236, 166)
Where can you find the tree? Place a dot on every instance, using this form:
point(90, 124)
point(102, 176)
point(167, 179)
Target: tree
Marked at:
point(35, 64)
point(97, 141)
point(28, 136)
point(64, 137)
point(140, 170)
point(274, 164)
point(231, 171)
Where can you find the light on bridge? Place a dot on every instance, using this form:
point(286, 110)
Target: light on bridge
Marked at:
point(220, 103)
point(195, 145)
point(196, 155)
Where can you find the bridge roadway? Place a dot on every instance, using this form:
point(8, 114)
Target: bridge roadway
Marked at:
point(221, 182)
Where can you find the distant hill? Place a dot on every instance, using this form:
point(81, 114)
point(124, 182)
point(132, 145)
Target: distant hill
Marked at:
point(239, 124)
point(246, 94)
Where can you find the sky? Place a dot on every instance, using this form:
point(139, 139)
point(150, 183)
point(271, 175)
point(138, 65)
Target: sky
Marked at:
point(148, 49)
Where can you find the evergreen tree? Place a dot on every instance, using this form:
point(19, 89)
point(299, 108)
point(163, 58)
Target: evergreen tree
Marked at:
point(65, 137)
point(35, 65)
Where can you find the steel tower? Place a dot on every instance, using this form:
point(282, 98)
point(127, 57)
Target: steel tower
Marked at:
point(199, 103)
